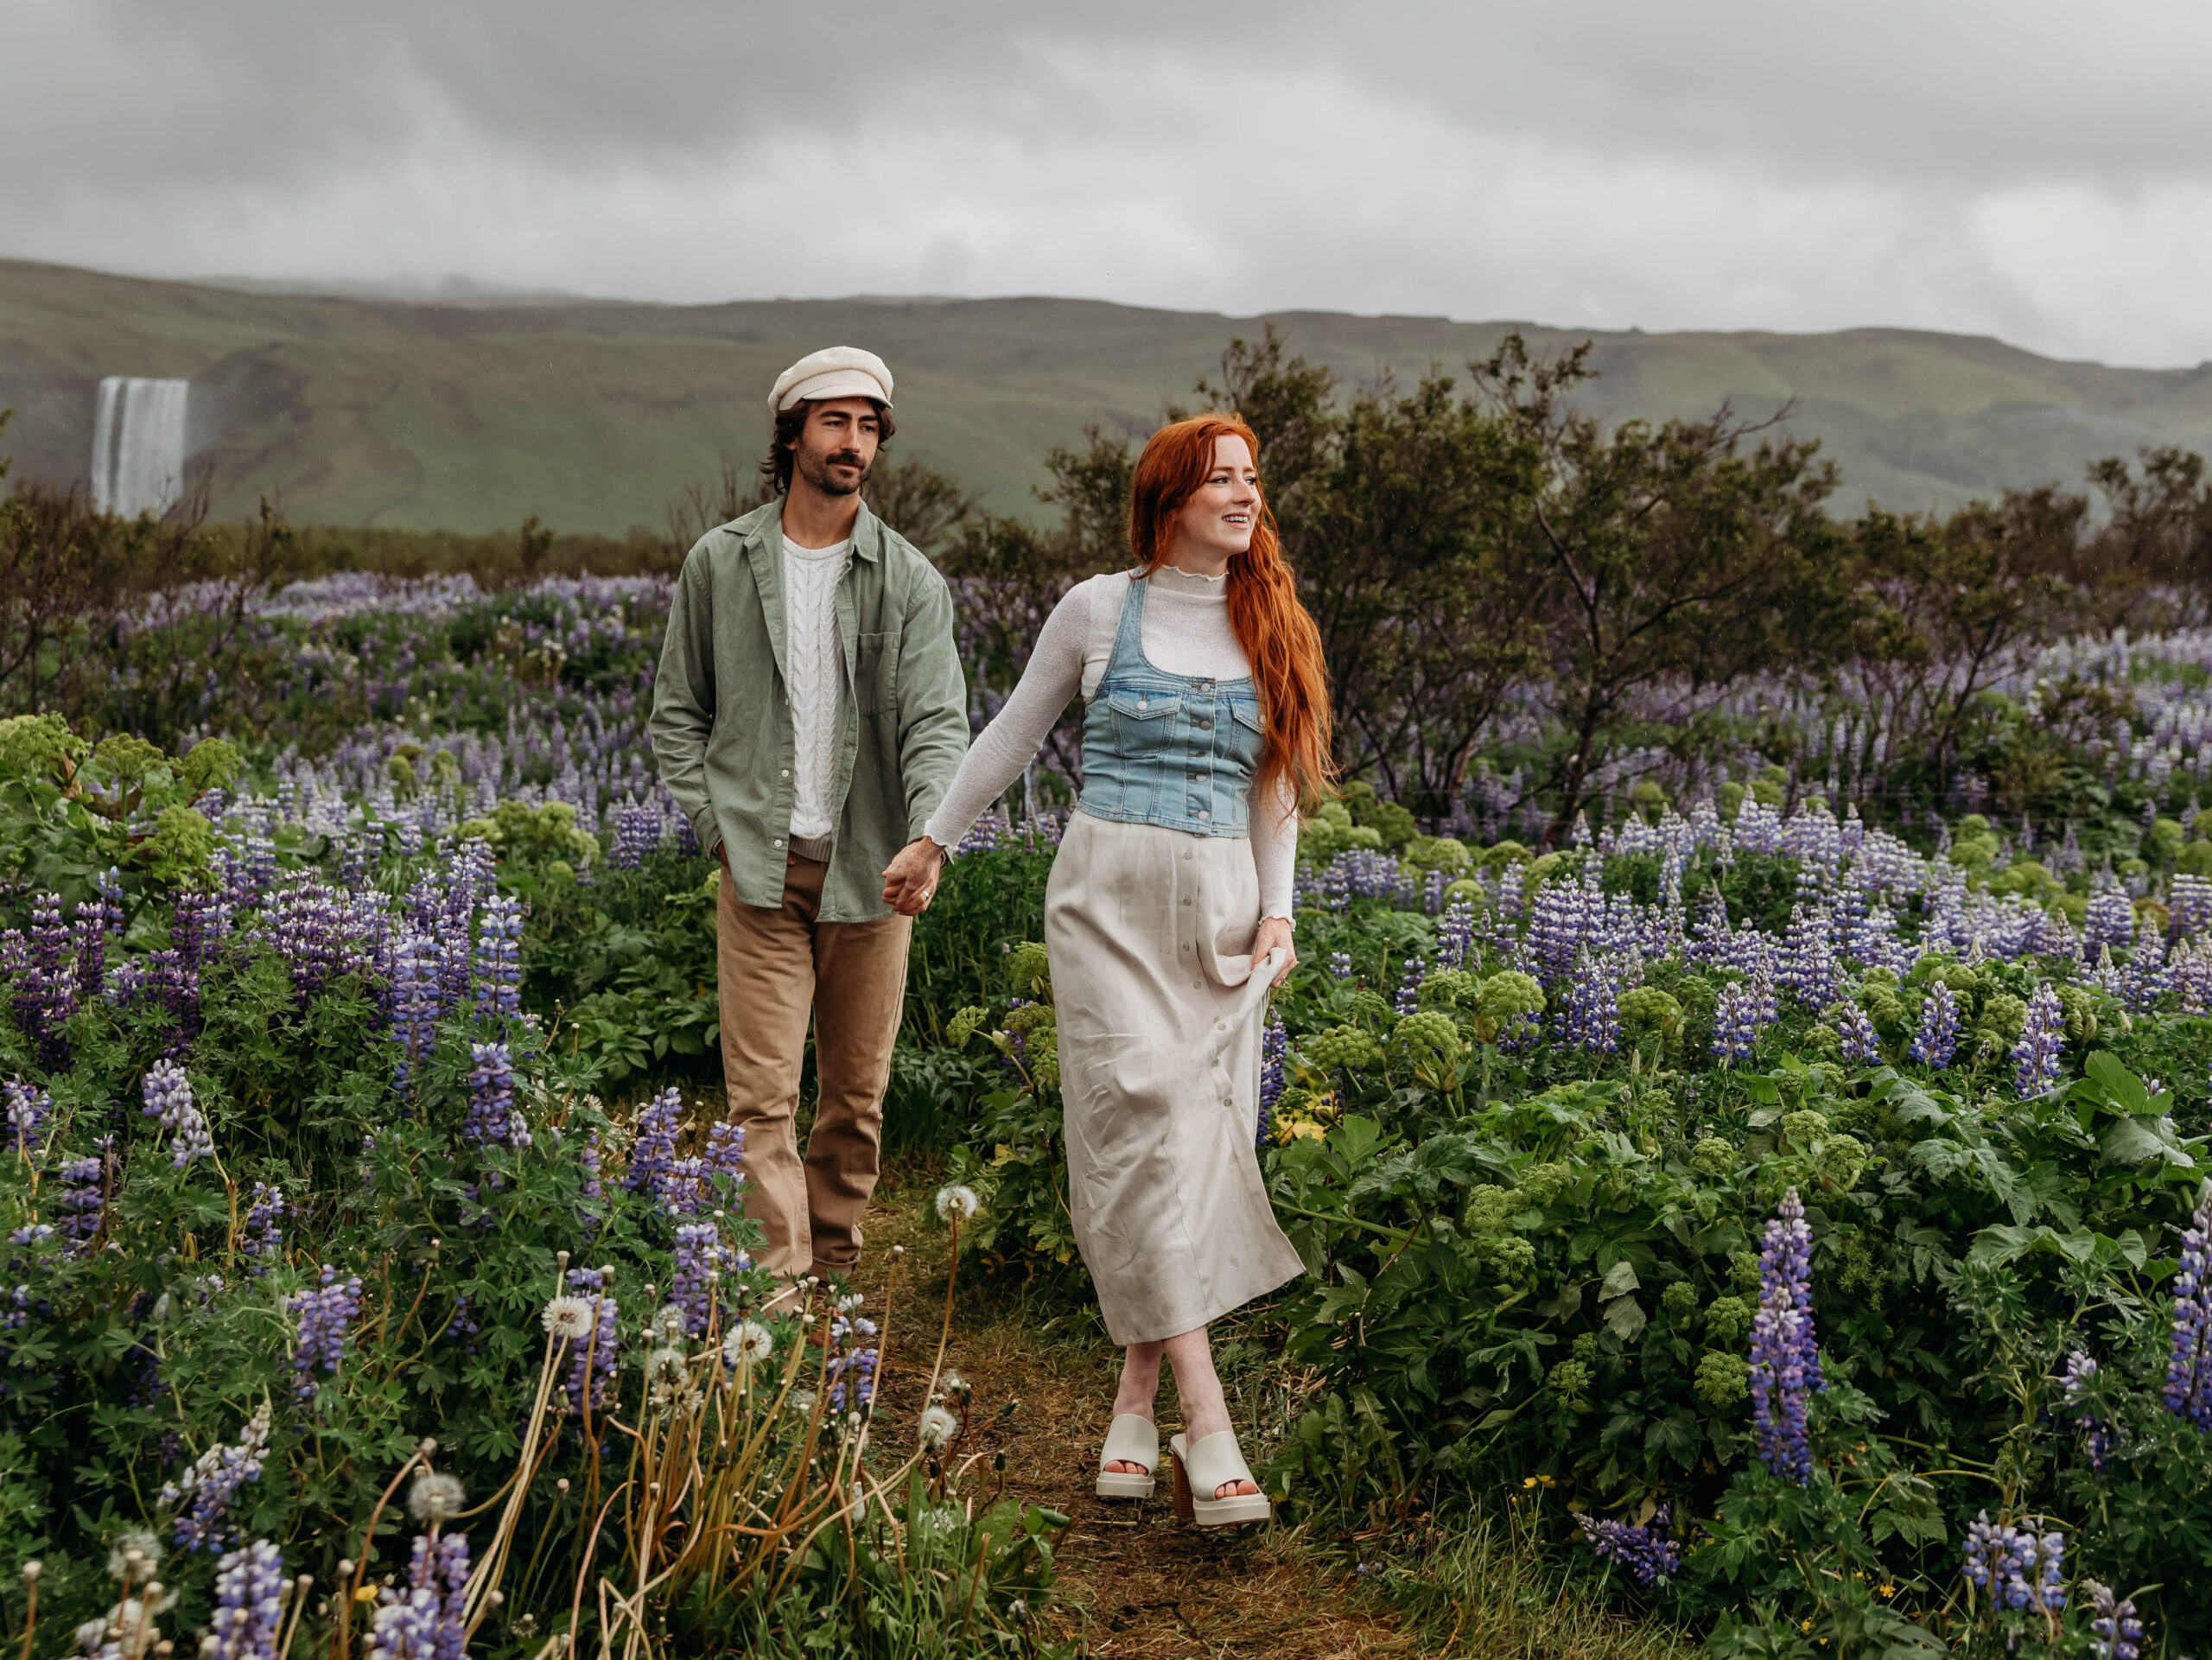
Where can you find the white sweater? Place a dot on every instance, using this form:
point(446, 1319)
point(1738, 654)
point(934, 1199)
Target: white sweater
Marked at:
point(1186, 631)
point(815, 678)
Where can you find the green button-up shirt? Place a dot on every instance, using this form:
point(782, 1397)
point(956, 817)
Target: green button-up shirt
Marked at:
point(722, 722)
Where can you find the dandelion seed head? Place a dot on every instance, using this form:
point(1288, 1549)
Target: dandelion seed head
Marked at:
point(568, 1317)
point(434, 1500)
point(956, 1204)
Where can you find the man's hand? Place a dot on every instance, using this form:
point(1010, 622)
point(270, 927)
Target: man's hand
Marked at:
point(1275, 935)
point(910, 880)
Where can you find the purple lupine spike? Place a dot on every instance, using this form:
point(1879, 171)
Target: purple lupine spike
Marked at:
point(701, 1261)
point(2080, 1368)
point(168, 1097)
point(1646, 1552)
point(492, 1114)
point(593, 1358)
point(1589, 1016)
point(1937, 1038)
point(325, 1319)
point(414, 1003)
point(2189, 1369)
point(1275, 1045)
point(652, 1155)
point(1409, 997)
point(428, 1620)
point(499, 957)
point(212, 1481)
point(1785, 1361)
point(1862, 1045)
point(249, 1614)
point(2035, 1057)
point(2116, 1633)
point(81, 1213)
point(853, 1359)
point(29, 1110)
point(264, 1229)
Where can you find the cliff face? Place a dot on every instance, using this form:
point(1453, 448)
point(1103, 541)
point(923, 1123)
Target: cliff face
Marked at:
point(593, 415)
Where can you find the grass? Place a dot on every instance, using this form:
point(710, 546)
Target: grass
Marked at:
point(1135, 1581)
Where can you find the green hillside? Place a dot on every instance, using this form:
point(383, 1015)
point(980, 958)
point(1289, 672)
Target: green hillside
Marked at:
point(592, 415)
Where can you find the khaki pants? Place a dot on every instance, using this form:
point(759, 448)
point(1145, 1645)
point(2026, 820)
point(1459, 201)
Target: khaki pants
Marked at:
point(775, 968)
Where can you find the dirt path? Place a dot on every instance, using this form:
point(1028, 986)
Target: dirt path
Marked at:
point(1134, 1580)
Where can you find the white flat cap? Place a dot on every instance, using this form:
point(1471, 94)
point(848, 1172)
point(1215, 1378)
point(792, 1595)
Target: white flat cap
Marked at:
point(834, 372)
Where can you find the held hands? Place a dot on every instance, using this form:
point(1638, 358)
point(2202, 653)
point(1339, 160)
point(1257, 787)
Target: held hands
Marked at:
point(1275, 935)
point(910, 880)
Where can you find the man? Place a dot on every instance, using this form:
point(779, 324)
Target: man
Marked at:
point(808, 714)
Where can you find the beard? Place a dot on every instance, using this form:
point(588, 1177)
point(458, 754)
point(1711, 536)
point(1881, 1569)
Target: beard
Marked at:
point(814, 466)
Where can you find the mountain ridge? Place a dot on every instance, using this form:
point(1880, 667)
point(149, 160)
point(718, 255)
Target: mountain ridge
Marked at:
point(469, 413)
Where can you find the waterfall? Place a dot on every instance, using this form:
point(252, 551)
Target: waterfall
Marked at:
point(138, 444)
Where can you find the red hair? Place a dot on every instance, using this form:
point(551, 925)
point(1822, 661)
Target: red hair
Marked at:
point(1279, 638)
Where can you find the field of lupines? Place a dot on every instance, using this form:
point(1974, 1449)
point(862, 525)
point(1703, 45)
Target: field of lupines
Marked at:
point(1799, 1227)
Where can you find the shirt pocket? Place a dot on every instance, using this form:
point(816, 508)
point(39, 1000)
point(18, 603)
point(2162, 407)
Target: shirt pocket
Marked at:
point(1144, 722)
point(875, 673)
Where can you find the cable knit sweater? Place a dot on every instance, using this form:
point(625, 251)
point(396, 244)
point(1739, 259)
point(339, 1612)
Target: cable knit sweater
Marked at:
point(810, 578)
point(1186, 631)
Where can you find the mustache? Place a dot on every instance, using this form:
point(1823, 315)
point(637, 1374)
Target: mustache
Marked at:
point(843, 458)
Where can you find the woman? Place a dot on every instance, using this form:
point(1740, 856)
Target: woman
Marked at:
point(1167, 920)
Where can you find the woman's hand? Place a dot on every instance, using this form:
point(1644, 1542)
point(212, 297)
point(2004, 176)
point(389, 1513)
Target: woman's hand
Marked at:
point(1275, 935)
point(910, 880)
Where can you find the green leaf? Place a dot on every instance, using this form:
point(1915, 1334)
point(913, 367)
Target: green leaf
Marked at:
point(2138, 1141)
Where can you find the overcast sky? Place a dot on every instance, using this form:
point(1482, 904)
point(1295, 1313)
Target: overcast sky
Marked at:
point(2035, 171)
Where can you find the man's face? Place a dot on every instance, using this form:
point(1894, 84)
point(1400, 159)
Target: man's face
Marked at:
point(837, 445)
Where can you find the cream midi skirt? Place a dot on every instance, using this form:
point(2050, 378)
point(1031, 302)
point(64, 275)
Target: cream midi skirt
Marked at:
point(1150, 934)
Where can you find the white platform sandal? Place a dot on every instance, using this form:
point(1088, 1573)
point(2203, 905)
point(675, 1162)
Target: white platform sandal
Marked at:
point(1202, 1471)
point(1132, 1440)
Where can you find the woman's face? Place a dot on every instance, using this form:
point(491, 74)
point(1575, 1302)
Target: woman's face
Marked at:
point(1220, 512)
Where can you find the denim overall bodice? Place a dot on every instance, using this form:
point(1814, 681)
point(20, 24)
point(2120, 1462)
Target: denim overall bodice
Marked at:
point(1177, 750)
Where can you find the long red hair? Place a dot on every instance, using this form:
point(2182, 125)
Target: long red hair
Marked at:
point(1279, 638)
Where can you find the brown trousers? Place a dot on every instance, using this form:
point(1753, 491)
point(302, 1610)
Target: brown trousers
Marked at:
point(775, 968)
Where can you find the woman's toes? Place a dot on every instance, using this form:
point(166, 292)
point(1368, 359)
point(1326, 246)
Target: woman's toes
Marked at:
point(1234, 1489)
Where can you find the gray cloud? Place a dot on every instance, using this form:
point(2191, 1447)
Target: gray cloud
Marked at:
point(2034, 169)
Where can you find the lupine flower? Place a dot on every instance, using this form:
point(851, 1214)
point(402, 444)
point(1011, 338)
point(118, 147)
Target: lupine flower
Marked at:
point(2035, 1057)
point(588, 1156)
point(212, 1481)
point(2189, 1371)
point(1455, 935)
point(1862, 1045)
point(1274, 1044)
point(263, 1229)
point(1409, 989)
point(499, 957)
point(168, 1097)
point(325, 1319)
point(81, 1210)
point(1735, 1024)
point(652, 1156)
point(28, 1111)
point(700, 1260)
point(2016, 1567)
point(1589, 1016)
point(1785, 1359)
point(2080, 1368)
point(1646, 1552)
point(249, 1604)
point(427, 1620)
point(414, 1002)
point(2118, 1633)
point(593, 1358)
point(1938, 1036)
point(852, 1362)
point(637, 833)
point(491, 1115)
point(1340, 965)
